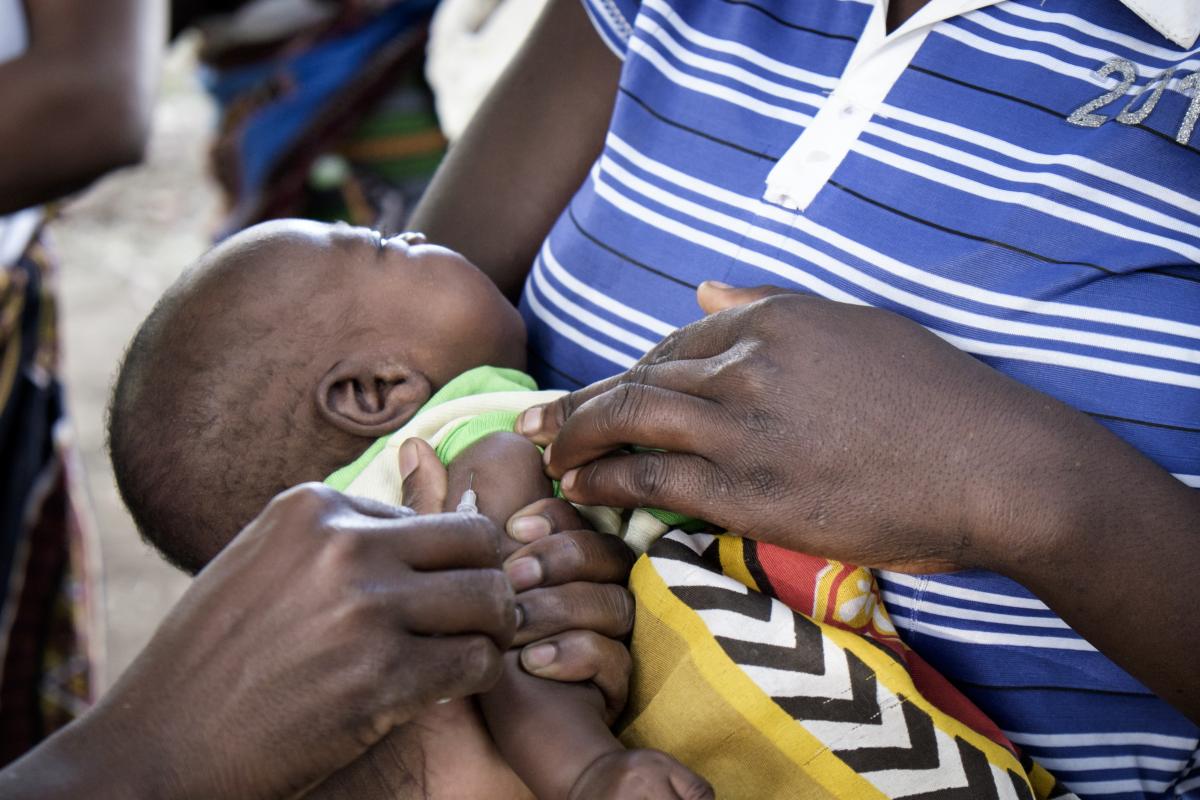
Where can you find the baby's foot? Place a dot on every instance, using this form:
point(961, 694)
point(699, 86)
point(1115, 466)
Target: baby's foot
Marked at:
point(639, 775)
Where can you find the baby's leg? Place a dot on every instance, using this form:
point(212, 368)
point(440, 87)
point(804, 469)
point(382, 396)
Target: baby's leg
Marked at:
point(554, 736)
point(549, 732)
point(444, 754)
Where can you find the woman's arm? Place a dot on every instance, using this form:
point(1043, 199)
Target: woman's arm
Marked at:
point(78, 103)
point(526, 151)
point(855, 434)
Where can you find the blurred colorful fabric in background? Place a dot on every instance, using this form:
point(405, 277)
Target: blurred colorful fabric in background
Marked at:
point(324, 115)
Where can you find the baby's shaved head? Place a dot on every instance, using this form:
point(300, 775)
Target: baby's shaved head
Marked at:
point(208, 393)
point(280, 357)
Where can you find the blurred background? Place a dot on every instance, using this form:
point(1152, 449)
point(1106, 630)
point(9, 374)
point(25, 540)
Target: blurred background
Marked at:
point(256, 110)
point(119, 245)
point(264, 109)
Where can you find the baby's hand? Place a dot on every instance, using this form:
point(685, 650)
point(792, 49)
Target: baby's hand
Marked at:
point(639, 775)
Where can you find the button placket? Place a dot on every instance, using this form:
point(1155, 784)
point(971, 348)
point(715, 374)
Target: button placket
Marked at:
point(874, 67)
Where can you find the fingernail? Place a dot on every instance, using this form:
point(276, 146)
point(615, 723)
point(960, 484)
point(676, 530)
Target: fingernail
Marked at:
point(546, 455)
point(530, 421)
point(408, 460)
point(524, 573)
point(568, 480)
point(718, 284)
point(519, 613)
point(538, 656)
point(529, 529)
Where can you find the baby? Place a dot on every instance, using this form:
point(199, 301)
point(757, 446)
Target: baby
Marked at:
point(282, 356)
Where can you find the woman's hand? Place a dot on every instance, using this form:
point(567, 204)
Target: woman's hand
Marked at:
point(855, 434)
point(572, 604)
point(838, 430)
point(571, 595)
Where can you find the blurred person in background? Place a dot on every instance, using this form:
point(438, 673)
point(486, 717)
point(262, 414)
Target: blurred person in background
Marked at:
point(470, 44)
point(324, 111)
point(76, 86)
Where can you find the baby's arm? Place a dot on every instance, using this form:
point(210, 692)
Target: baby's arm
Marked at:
point(554, 735)
point(549, 732)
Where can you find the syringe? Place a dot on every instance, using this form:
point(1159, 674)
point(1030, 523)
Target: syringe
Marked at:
point(467, 505)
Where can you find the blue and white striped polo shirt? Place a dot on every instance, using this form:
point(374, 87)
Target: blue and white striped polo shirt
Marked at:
point(1020, 177)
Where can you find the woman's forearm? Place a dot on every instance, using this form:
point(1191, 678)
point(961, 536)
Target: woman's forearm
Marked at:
point(1110, 542)
point(526, 151)
point(86, 759)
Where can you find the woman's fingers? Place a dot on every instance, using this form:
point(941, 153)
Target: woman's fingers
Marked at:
point(540, 424)
point(542, 518)
point(660, 367)
point(583, 656)
point(569, 557)
point(424, 477)
point(605, 608)
point(678, 482)
point(634, 414)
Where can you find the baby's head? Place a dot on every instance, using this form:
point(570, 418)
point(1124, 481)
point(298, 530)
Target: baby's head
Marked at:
point(278, 358)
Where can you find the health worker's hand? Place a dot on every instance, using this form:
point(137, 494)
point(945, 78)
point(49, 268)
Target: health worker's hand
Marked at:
point(327, 622)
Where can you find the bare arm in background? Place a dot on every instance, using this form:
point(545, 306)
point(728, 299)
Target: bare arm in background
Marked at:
point(78, 102)
point(527, 150)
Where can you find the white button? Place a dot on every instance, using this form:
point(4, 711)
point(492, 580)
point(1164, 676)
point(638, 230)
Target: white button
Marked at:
point(849, 110)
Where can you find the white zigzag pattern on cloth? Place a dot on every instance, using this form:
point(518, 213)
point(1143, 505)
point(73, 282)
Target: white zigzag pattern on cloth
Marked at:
point(889, 729)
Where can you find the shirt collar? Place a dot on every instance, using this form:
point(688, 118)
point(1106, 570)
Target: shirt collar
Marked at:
point(1178, 20)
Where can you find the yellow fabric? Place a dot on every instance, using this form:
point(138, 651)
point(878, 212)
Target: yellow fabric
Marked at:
point(675, 709)
point(691, 698)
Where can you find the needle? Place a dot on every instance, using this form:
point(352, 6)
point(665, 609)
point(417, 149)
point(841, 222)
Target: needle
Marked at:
point(467, 504)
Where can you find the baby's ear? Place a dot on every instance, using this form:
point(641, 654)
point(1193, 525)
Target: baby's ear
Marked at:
point(371, 397)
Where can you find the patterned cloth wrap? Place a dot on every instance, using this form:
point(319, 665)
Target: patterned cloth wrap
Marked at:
point(772, 673)
point(334, 122)
point(49, 645)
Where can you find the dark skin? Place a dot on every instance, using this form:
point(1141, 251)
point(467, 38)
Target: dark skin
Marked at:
point(1054, 500)
point(547, 117)
point(555, 735)
point(540, 128)
point(447, 752)
point(390, 611)
point(900, 10)
point(78, 101)
point(398, 319)
point(372, 613)
point(185, 13)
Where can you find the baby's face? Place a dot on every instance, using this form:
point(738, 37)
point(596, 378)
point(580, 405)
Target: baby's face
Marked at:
point(427, 301)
